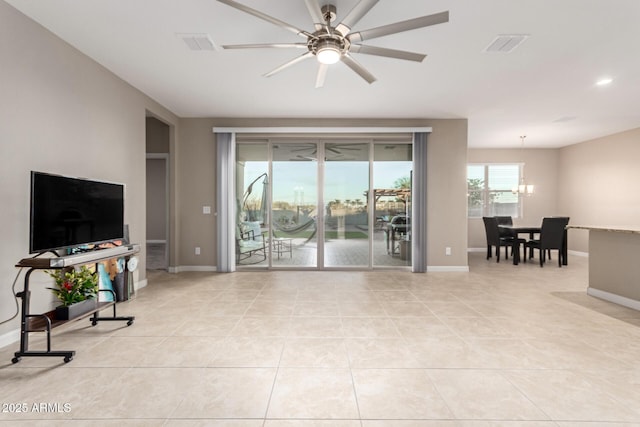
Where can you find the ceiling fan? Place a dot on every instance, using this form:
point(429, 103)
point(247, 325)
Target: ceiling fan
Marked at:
point(333, 151)
point(331, 44)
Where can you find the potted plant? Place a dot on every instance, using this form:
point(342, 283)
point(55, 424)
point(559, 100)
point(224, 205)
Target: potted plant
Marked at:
point(77, 289)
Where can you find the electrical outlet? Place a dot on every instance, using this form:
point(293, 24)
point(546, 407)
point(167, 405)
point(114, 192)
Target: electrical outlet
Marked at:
point(206, 210)
point(447, 250)
point(197, 250)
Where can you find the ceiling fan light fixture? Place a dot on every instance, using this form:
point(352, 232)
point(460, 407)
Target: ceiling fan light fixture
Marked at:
point(328, 53)
point(331, 44)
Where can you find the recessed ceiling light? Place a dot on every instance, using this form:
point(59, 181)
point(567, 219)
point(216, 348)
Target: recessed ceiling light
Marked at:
point(604, 81)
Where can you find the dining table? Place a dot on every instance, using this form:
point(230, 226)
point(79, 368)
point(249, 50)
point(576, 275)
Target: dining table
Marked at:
point(515, 231)
point(531, 230)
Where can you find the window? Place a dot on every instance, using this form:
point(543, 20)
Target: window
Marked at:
point(489, 190)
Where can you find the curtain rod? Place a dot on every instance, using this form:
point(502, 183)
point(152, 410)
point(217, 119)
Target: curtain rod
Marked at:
point(303, 129)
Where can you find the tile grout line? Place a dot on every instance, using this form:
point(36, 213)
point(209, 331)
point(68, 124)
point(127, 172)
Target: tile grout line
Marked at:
point(353, 381)
point(275, 378)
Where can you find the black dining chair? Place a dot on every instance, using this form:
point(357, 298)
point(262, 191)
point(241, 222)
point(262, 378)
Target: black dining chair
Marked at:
point(504, 233)
point(504, 220)
point(552, 237)
point(494, 239)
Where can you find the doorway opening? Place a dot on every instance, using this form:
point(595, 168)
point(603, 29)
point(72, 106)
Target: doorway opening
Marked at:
point(157, 194)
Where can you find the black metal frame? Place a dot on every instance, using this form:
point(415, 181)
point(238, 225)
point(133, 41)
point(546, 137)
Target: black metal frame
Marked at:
point(27, 326)
point(247, 253)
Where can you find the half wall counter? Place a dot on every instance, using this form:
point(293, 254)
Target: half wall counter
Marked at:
point(614, 264)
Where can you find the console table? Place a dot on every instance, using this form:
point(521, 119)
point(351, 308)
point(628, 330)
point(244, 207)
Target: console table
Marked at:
point(44, 322)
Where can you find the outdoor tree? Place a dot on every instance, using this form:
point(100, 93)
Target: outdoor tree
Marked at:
point(474, 191)
point(404, 183)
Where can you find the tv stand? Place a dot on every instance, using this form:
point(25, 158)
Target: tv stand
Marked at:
point(45, 322)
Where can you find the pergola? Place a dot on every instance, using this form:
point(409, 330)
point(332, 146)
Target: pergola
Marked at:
point(401, 193)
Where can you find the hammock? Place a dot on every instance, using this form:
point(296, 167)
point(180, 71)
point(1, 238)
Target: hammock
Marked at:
point(297, 229)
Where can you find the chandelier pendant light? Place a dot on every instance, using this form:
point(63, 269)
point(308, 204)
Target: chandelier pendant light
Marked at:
point(523, 187)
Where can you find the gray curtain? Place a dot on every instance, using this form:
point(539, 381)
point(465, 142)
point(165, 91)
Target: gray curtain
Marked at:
point(419, 204)
point(225, 202)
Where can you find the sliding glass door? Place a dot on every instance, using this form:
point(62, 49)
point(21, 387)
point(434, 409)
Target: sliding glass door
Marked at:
point(252, 204)
point(316, 204)
point(392, 182)
point(294, 206)
point(346, 220)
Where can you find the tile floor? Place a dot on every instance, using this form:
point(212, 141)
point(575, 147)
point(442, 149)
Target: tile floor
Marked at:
point(500, 346)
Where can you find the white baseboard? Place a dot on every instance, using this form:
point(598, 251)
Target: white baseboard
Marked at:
point(185, 268)
point(9, 338)
point(476, 249)
point(617, 299)
point(448, 268)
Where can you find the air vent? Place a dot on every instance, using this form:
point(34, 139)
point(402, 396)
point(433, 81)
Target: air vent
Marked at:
point(506, 43)
point(198, 41)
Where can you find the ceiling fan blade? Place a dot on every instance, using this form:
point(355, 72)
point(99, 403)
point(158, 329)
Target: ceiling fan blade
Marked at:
point(316, 13)
point(399, 27)
point(359, 10)
point(347, 147)
point(389, 53)
point(265, 45)
point(290, 63)
point(322, 75)
point(305, 147)
point(355, 66)
point(266, 17)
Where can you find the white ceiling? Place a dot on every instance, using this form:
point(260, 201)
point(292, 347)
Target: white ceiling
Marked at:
point(545, 89)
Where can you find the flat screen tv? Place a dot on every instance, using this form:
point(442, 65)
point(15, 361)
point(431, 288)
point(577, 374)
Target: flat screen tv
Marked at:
point(69, 212)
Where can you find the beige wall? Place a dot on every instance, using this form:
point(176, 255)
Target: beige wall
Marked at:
point(447, 152)
point(599, 184)
point(447, 192)
point(195, 186)
point(62, 113)
point(157, 136)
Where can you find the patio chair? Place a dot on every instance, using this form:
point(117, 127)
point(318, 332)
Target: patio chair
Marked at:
point(251, 243)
